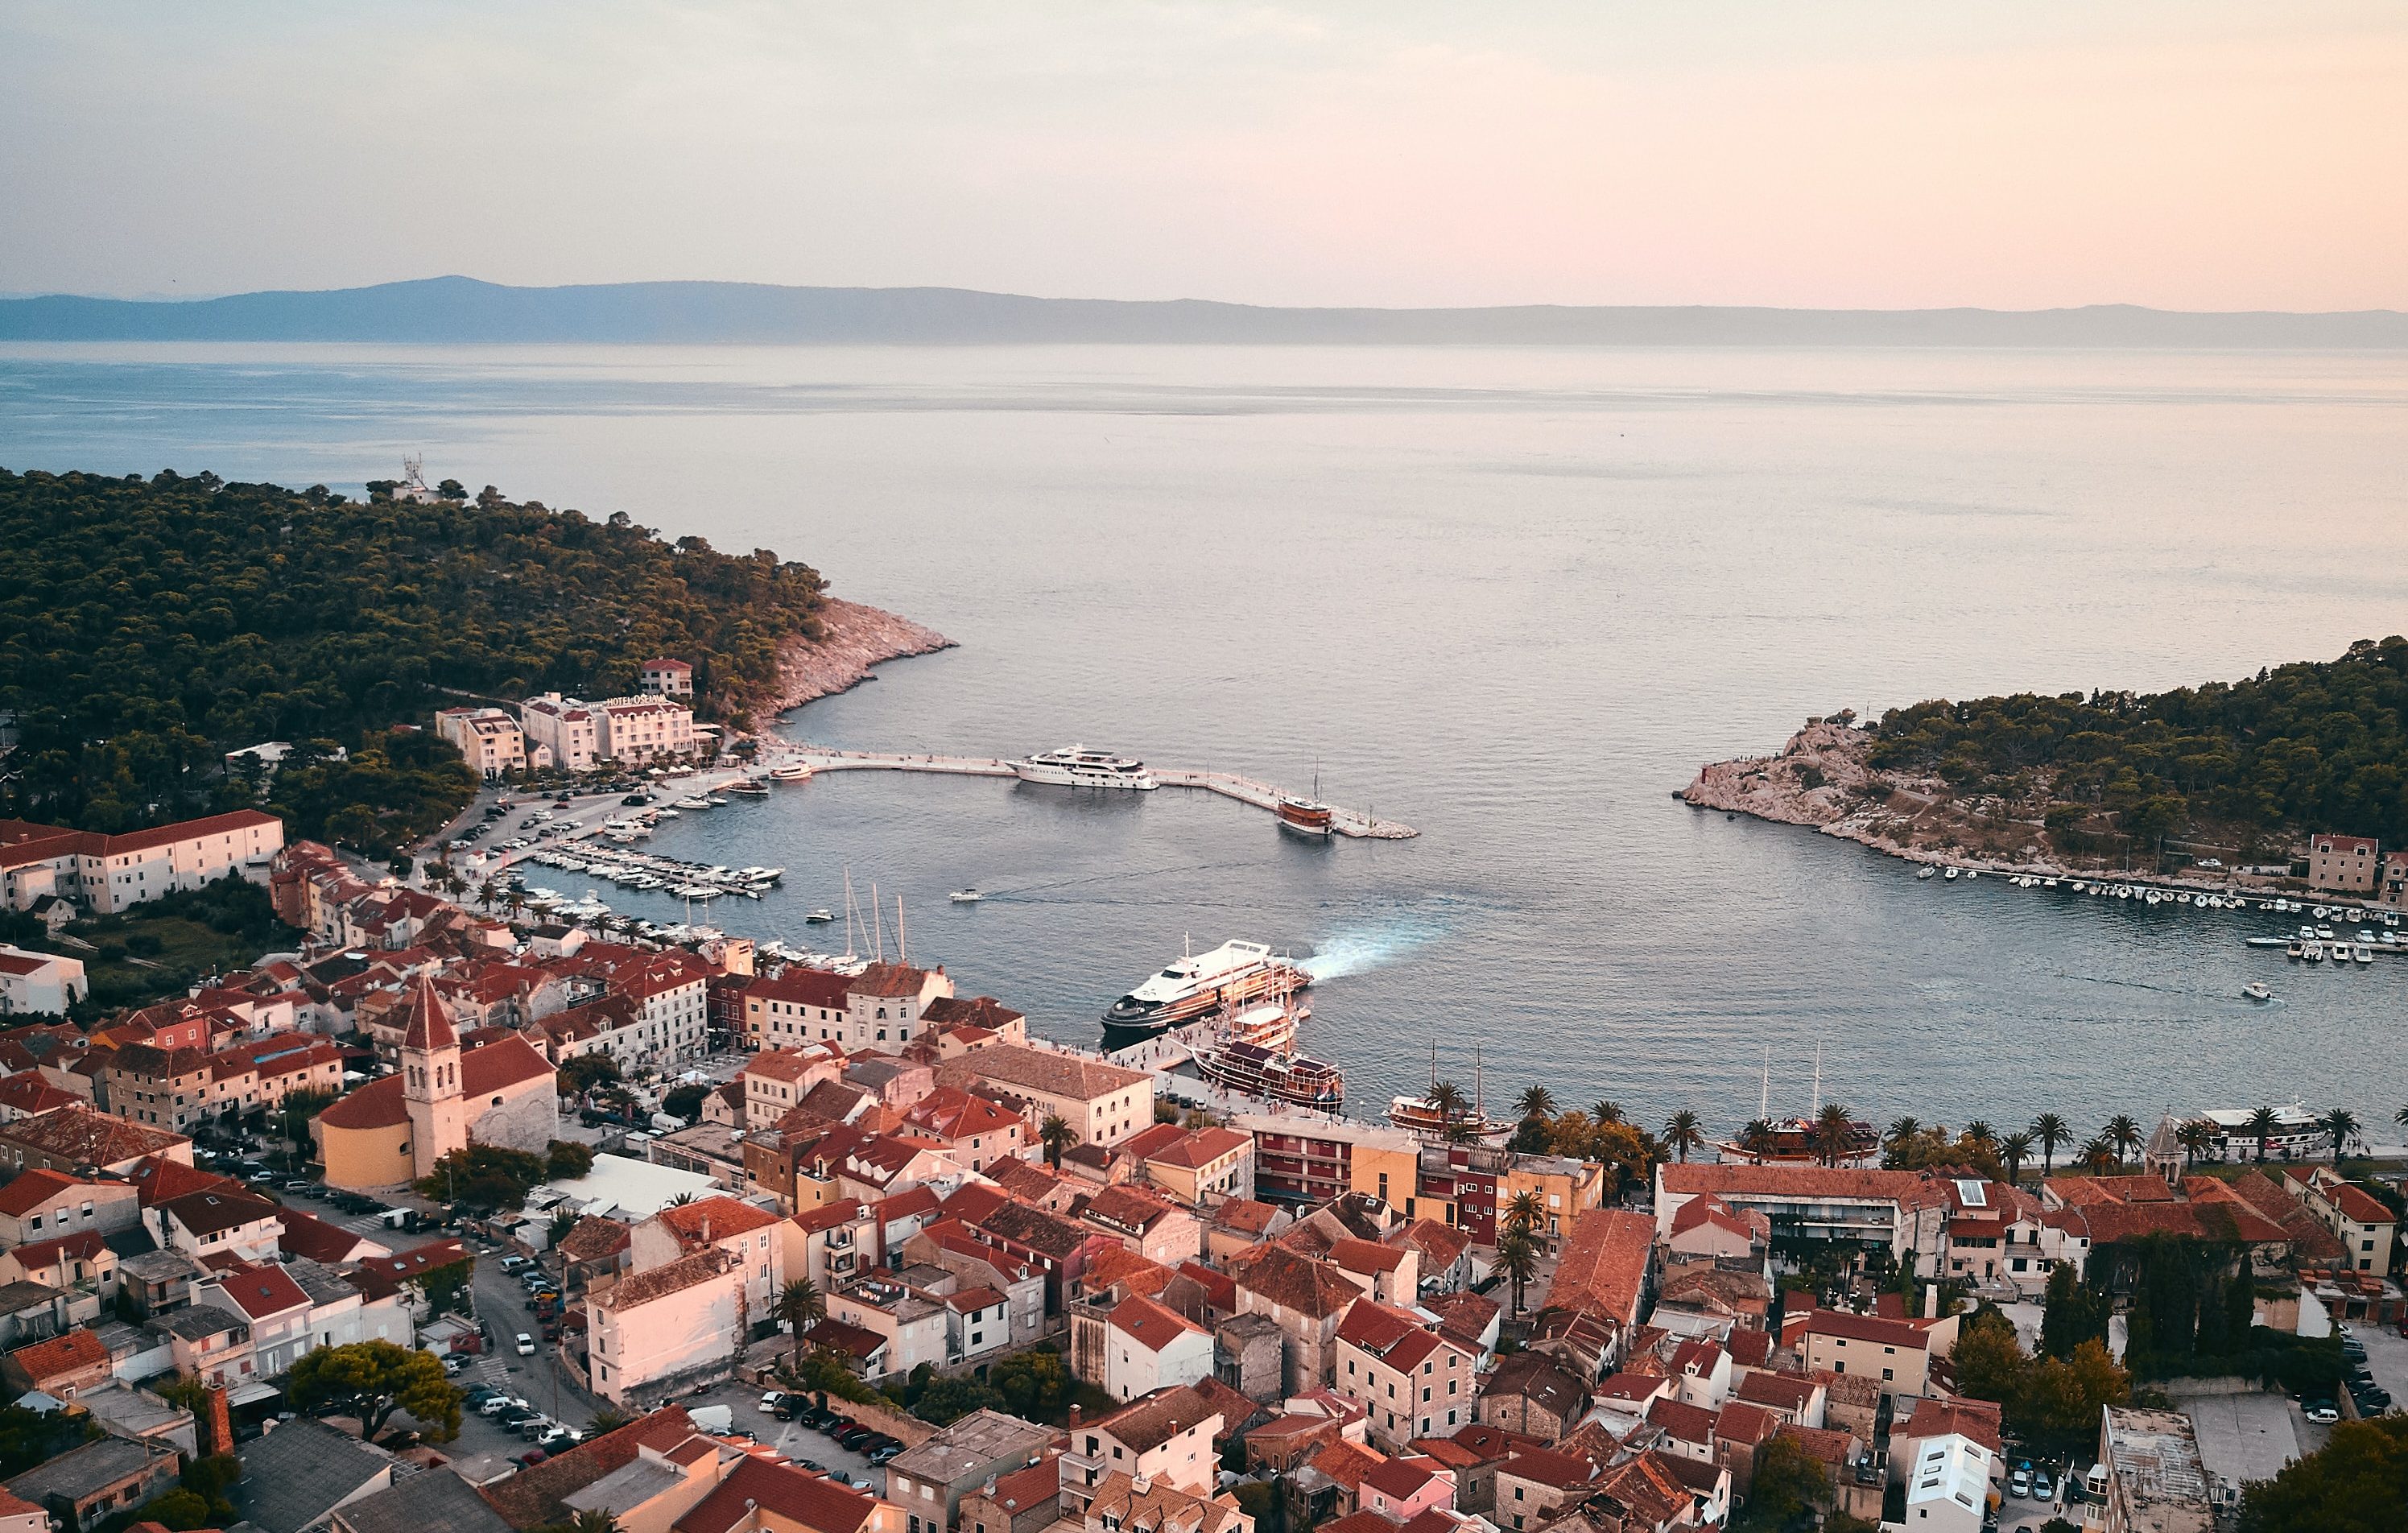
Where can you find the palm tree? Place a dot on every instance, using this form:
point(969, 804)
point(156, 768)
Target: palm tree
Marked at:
point(2014, 1150)
point(2099, 1154)
point(1900, 1131)
point(1518, 1255)
point(1524, 1212)
point(1055, 1135)
point(2124, 1134)
point(800, 1306)
point(487, 893)
point(2052, 1131)
point(1607, 1110)
point(680, 1200)
point(2263, 1121)
point(1757, 1137)
point(1981, 1133)
point(597, 1520)
point(2341, 1124)
point(1835, 1133)
point(1458, 1131)
point(1447, 1097)
point(2194, 1137)
point(1537, 1102)
point(1681, 1134)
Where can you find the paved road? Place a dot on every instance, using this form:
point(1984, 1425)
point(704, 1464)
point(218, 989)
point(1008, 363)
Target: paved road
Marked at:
point(2387, 1358)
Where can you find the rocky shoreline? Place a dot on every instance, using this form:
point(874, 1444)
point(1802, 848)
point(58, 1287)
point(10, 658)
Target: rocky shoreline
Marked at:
point(1823, 778)
point(856, 638)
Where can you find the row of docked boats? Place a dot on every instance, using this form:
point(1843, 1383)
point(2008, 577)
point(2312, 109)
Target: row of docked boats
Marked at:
point(2156, 894)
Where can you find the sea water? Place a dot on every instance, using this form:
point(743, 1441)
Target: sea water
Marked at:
point(1512, 597)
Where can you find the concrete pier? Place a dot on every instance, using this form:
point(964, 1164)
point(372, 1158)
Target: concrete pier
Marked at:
point(1245, 790)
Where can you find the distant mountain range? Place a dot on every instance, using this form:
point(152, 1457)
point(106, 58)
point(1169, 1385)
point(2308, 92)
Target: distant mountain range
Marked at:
point(461, 310)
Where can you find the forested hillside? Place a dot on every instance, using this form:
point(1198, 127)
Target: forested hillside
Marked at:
point(147, 628)
point(2318, 746)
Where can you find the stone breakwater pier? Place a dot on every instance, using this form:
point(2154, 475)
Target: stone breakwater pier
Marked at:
point(1263, 795)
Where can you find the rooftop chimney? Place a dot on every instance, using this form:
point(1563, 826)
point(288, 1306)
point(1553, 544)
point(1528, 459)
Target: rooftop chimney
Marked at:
point(1074, 1415)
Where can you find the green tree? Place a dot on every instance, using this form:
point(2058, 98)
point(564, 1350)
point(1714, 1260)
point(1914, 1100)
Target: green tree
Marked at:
point(2123, 1136)
point(800, 1306)
point(1789, 1482)
point(485, 1176)
point(1056, 1136)
point(587, 1071)
point(947, 1400)
point(1517, 1257)
point(1681, 1134)
point(2356, 1482)
point(2052, 1131)
point(1036, 1386)
point(1537, 1102)
point(180, 1509)
point(2262, 1123)
point(685, 1102)
point(28, 1436)
point(371, 1379)
point(565, 1160)
point(2072, 1313)
point(2014, 1150)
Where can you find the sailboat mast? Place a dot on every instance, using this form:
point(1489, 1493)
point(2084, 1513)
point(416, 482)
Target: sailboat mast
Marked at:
point(850, 913)
point(877, 925)
point(902, 947)
point(1764, 1089)
point(1817, 1110)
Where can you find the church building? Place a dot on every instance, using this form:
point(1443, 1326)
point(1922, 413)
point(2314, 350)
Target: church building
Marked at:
point(444, 1098)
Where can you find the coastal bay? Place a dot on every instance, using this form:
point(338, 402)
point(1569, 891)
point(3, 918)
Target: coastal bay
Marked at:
point(1509, 598)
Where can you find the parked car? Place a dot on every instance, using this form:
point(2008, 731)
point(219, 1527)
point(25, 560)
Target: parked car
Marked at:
point(772, 1402)
point(531, 1457)
point(2019, 1485)
point(477, 1395)
point(494, 1405)
point(526, 1345)
point(2044, 1485)
point(2322, 1411)
point(885, 1451)
point(511, 1264)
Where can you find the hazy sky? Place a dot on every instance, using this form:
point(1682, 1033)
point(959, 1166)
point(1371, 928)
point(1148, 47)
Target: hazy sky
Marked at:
point(2196, 154)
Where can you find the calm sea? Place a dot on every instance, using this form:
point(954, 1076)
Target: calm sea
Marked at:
point(1512, 597)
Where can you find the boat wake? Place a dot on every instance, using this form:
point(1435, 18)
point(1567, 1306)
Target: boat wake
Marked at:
point(1356, 953)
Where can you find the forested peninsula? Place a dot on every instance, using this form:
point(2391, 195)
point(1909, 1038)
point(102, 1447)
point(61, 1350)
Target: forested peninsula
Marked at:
point(150, 626)
point(2237, 772)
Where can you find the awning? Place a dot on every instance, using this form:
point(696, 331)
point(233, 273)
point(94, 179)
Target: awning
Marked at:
point(253, 1394)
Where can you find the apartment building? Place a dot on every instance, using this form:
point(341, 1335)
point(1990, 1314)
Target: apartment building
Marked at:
point(113, 873)
point(488, 738)
point(563, 725)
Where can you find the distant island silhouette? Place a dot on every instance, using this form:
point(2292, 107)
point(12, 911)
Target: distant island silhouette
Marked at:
point(462, 310)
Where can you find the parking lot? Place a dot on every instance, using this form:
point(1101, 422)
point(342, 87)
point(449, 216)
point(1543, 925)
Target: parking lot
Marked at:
point(794, 1440)
point(2386, 1357)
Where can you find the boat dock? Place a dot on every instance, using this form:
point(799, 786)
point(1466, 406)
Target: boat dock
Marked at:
point(1263, 795)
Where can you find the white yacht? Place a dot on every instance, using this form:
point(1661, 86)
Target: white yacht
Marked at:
point(1926, 871)
point(965, 896)
point(1079, 768)
point(1198, 983)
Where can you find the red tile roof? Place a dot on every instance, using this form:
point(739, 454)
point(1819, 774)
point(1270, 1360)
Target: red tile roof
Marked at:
point(31, 1189)
point(68, 1352)
point(812, 1500)
point(1604, 1265)
point(262, 1291)
point(1150, 1325)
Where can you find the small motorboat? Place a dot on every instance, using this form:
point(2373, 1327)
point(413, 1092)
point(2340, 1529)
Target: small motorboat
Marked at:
point(1926, 872)
point(693, 801)
point(1951, 875)
point(965, 896)
point(2362, 954)
point(1972, 872)
point(2313, 952)
point(820, 917)
point(2295, 952)
point(2255, 990)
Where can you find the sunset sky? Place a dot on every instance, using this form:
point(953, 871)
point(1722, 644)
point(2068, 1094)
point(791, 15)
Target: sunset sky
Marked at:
point(2193, 155)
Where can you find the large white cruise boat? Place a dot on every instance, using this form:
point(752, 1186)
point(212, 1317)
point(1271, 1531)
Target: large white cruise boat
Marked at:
point(1079, 768)
point(1199, 982)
